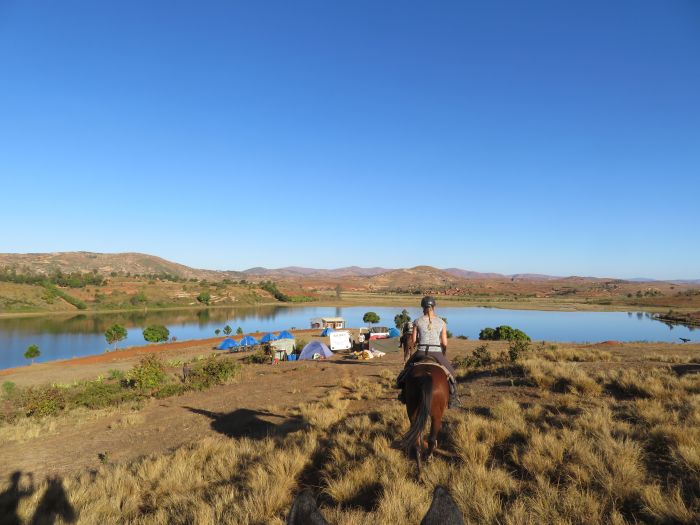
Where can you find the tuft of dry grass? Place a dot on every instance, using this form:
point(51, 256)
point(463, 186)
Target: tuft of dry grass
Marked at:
point(321, 415)
point(578, 355)
point(366, 388)
point(560, 377)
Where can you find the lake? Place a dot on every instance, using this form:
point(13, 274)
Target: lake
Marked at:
point(61, 337)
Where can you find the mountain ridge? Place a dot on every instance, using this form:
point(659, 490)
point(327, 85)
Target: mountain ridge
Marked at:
point(141, 263)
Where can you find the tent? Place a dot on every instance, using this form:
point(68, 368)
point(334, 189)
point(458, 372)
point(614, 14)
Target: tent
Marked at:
point(394, 332)
point(269, 337)
point(248, 341)
point(227, 344)
point(285, 335)
point(314, 348)
point(326, 331)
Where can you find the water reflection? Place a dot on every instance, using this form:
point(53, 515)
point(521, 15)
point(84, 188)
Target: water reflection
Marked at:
point(82, 334)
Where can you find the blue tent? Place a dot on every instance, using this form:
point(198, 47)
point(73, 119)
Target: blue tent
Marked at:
point(248, 340)
point(327, 331)
point(285, 335)
point(269, 337)
point(394, 332)
point(227, 344)
point(315, 348)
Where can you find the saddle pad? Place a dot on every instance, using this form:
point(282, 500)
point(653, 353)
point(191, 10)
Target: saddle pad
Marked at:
point(434, 363)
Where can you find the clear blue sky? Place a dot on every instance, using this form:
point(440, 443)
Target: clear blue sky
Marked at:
point(554, 137)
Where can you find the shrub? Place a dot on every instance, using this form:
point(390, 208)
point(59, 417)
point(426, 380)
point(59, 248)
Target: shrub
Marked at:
point(482, 356)
point(171, 389)
point(9, 389)
point(148, 374)
point(212, 371)
point(257, 358)
point(44, 401)
point(503, 333)
point(204, 298)
point(98, 394)
point(487, 334)
point(116, 374)
point(156, 333)
point(299, 345)
point(228, 330)
point(517, 349)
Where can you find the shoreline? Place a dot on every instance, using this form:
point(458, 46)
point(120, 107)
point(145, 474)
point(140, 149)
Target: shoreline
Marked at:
point(369, 301)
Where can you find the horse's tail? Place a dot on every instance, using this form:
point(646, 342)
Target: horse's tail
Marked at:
point(425, 384)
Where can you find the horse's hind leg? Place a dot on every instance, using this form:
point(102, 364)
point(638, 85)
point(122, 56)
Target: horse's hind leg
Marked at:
point(435, 425)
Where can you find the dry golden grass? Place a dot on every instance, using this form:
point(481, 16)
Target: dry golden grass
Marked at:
point(617, 447)
point(575, 354)
point(560, 377)
point(24, 429)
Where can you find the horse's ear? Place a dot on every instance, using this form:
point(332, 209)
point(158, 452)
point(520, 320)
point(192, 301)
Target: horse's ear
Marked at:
point(304, 510)
point(443, 510)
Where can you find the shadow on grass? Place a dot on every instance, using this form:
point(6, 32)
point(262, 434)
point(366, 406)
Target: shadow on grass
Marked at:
point(250, 423)
point(53, 504)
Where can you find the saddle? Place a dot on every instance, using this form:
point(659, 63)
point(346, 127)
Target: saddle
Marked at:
point(428, 360)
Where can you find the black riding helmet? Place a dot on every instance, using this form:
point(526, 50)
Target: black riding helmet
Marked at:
point(427, 301)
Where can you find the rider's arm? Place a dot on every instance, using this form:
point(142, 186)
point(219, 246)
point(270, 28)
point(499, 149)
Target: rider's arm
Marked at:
point(414, 336)
point(443, 339)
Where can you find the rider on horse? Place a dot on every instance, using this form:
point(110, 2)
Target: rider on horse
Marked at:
point(430, 340)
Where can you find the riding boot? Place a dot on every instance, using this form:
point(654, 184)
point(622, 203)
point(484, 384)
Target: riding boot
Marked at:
point(454, 398)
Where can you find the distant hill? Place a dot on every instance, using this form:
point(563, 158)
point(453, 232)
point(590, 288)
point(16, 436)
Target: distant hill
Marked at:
point(468, 274)
point(421, 276)
point(298, 271)
point(106, 263)
point(356, 276)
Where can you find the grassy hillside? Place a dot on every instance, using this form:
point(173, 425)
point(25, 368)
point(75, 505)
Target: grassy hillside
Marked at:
point(106, 264)
point(121, 293)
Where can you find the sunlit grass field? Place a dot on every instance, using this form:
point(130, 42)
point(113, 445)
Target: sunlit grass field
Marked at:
point(598, 442)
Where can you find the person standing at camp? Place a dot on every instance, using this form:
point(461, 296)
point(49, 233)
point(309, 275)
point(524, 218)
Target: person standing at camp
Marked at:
point(430, 339)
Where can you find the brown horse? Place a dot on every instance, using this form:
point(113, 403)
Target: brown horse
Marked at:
point(427, 393)
point(407, 344)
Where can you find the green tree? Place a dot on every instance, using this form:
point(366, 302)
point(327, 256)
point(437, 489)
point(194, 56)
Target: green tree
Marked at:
point(217, 331)
point(370, 318)
point(487, 334)
point(338, 290)
point(228, 330)
point(156, 333)
point(401, 319)
point(114, 334)
point(204, 298)
point(239, 331)
point(32, 352)
point(503, 333)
